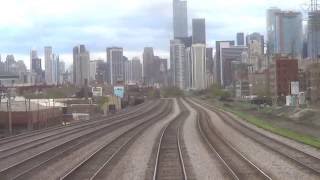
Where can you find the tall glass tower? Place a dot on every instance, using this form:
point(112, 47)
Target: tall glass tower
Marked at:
point(180, 19)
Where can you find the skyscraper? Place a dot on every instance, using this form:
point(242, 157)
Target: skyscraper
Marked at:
point(229, 57)
point(271, 29)
point(148, 61)
point(9, 62)
point(180, 19)
point(116, 64)
point(33, 54)
point(313, 35)
point(284, 29)
point(258, 38)
point(198, 31)
point(240, 39)
point(55, 69)
point(198, 56)
point(217, 63)
point(133, 71)
point(177, 55)
point(289, 33)
point(93, 70)
point(81, 64)
point(48, 59)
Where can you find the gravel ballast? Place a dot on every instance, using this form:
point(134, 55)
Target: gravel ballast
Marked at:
point(275, 165)
point(134, 164)
point(206, 165)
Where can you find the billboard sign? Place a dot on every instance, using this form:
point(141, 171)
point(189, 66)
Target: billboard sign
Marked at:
point(118, 91)
point(295, 88)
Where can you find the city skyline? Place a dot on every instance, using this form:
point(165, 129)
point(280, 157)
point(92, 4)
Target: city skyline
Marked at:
point(36, 28)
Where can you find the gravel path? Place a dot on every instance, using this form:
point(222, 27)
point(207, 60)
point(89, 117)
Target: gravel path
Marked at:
point(134, 164)
point(205, 164)
point(272, 163)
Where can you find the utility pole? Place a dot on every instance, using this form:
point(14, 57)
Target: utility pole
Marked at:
point(9, 108)
point(9, 112)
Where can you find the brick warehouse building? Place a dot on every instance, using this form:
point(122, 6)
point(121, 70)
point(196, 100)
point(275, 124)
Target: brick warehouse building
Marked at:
point(283, 71)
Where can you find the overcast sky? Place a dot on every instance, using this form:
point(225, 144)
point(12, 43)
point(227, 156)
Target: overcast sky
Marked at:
point(131, 24)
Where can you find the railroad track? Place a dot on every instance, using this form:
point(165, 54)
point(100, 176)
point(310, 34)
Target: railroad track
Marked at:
point(12, 150)
point(24, 167)
point(170, 163)
point(297, 156)
point(99, 163)
point(39, 134)
point(237, 165)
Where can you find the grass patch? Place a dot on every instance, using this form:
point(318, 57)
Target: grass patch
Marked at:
point(305, 139)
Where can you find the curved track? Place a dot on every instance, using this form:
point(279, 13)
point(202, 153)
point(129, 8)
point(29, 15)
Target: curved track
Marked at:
point(299, 157)
point(97, 165)
point(13, 148)
point(25, 166)
point(21, 139)
point(237, 164)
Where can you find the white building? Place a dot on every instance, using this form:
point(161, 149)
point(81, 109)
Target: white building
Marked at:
point(116, 63)
point(177, 55)
point(198, 55)
point(48, 59)
point(93, 70)
point(55, 69)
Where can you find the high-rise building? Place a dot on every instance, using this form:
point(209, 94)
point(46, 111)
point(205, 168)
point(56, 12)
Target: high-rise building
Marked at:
point(217, 63)
point(256, 58)
point(284, 29)
point(230, 57)
point(148, 62)
point(81, 64)
point(177, 55)
point(289, 33)
point(156, 70)
point(198, 31)
point(271, 29)
point(2, 66)
point(62, 71)
point(188, 68)
point(9, 62)
point(198, 56)
point(93, 70)
point(180, 19)
point(209, 66)
point(55, 69)
point(258, 38)
point(209, 60)
point(33, 55)
point(48, 59)
point(115, 61)
point(240, 39)
point(313, 35)
point(163, 80)
point(133, 71)
point(36, 67)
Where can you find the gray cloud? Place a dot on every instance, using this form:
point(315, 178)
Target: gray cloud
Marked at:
point(101, 23)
